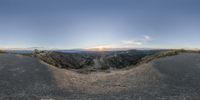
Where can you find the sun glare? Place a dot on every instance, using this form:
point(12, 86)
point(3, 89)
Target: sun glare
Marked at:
point(101, 48)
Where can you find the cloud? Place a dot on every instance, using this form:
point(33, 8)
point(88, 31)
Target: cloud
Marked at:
point(146, 37)
point(132, 42)
point(136, 43)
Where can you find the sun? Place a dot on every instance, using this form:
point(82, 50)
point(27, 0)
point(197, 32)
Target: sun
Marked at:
point(101, 48)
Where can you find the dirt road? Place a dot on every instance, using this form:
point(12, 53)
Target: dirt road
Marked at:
point(25, 78)
point(169, 78)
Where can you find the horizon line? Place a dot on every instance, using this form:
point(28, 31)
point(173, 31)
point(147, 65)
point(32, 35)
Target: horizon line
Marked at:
point(92, 49)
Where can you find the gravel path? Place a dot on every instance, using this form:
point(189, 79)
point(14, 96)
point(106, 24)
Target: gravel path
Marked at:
point(25, 78)
point(181, 76)
point(169, 78)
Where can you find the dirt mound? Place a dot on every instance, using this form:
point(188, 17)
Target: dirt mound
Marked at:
point(171, 78)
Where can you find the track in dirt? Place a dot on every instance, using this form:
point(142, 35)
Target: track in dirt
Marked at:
point(171, 78)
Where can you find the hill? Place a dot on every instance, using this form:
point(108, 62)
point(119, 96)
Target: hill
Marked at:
point(170, 78)
point(89, 61)
point(93, 60)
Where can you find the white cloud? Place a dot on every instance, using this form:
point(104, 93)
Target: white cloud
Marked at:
point(132, 42)
point(147, 37)
point(136, 43)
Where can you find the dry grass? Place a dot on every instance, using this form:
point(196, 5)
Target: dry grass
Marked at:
point(1, 51)
point(161, 54)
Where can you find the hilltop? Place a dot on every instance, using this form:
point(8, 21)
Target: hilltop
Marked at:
point(88, 61)
point(173, 78)
point(93, 60)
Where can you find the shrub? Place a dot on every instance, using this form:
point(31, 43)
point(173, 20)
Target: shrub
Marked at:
point(1, 51)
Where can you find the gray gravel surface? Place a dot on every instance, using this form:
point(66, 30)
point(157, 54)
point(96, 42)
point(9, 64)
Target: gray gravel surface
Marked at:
point(26, 78)
point(169, 78)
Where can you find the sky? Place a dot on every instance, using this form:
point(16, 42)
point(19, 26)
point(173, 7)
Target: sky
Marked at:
point(71, 24)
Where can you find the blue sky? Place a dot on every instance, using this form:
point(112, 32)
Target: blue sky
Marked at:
point(69, 24)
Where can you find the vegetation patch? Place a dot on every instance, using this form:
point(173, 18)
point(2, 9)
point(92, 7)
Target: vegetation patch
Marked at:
point(161, 54)
point(86, 62)
point(65, 60)
point(2, 51)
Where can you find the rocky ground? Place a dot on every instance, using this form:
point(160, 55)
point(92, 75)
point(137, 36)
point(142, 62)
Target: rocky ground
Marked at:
point(170, 78)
